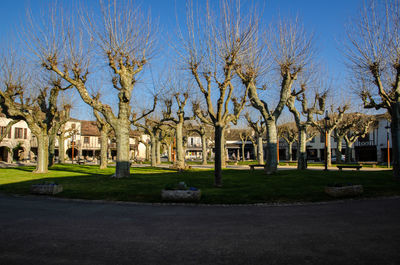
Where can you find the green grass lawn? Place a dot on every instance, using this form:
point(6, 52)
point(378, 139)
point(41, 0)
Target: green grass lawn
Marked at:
point(240, 186)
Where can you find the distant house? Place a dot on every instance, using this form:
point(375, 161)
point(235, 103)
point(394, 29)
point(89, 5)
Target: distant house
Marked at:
point(16, 145)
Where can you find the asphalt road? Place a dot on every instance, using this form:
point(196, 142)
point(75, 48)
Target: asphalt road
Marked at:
point(36, 230)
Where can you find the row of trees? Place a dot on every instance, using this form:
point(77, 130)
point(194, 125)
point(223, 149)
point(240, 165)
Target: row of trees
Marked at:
point(342, 126)
point(229, 57)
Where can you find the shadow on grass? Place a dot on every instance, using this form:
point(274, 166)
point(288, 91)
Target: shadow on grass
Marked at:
point(240, 186)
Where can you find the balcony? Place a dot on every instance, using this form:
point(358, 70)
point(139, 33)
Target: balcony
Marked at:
point(90, 146)
point(193, 145)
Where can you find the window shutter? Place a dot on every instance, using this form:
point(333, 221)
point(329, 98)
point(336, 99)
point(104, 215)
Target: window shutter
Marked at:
point(25, 133)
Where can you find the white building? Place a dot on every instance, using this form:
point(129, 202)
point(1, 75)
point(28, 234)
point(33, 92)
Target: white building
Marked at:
point(16, 145)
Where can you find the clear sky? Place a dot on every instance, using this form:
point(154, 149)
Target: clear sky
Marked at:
point(327, 19)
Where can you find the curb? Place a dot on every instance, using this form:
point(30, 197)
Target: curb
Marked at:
point(266, 204)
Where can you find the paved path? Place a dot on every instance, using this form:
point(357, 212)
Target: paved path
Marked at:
point(35, 230)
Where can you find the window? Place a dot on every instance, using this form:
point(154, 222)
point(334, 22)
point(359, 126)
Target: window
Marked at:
point(19, 133)
point(85, 140)
point(73, 125)
point(312, 140)
point(99, 140)
point(25, 133)
point(322, 138)
point(3, 131)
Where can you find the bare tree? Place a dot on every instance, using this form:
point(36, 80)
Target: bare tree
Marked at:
point(359, 126)
point(37, 106)
point(328, 125)
point(123, 37)
point(342, 129)
point(168, 141)
point(317, 107)
point(63, 134)
point(259, 130)
point(373, 52)
point(105, 131)
point(210, 51)
point(204, 130)
point(291, 50)
point(244, 137)
point(177, 123)
point(289, 133)
point(151, 126)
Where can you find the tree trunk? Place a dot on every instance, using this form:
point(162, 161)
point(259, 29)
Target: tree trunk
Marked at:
point(271, 163)
point(290, 151)
point(180, 154)
point(43, 153)
point(302, 149)
point(123, 164)
point(52, 149)
point(328, 148)
point(243, 152)
point(349, 152)
point(204, 149)
point(339, 148)
point(103, 150)
point(255, 150)
point(169, 152)
point(158, 151)
point(395, 130)
point(153, 151)
point(260, 150)
point(148, 147)
point(61, 148)
point(219, 155)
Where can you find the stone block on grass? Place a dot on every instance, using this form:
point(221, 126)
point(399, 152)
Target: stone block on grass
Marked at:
point(181, 195)
point(344, 191)
point(46, 188)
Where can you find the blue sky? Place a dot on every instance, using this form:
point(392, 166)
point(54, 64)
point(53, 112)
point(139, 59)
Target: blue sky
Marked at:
point(327, 19)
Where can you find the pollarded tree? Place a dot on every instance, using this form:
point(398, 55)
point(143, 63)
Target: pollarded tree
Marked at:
point(341, 130)
point(289, 133)
point(63, 134)
point(105, 131)
point(259, 131)
point(204, 130)
point(40, 112)
point(151, 126)
point(327, 126)
point(244, 135)
point(360, 126)
point(373, 53)
point(55, 130)
point(122, 38)
point(303, 124)
point(168, 142)
point(291, 50)
point(211, 50)
point(177, 123)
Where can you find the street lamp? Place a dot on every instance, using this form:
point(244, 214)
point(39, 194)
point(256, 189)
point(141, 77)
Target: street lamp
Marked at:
point(387, 144)
point(326, 139)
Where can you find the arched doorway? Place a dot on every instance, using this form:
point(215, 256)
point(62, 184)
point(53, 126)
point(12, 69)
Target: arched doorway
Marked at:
point(4, 153)
point(18, 153)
